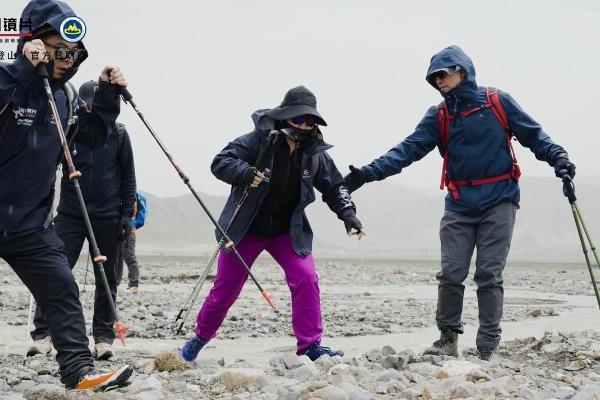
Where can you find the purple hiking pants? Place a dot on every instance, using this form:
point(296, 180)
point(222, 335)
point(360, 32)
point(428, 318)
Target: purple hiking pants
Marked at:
point(301, 277)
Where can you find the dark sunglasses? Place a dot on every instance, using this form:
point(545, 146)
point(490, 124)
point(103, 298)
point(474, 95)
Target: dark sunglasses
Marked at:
point(309, 120)
point(65, 53)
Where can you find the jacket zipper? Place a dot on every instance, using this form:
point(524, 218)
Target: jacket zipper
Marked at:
point(287, 174)
point(10, 212)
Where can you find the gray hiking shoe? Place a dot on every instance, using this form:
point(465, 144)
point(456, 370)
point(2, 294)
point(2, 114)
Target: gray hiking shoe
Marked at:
point(103, 351)
point(447, 344)
point(42, 346)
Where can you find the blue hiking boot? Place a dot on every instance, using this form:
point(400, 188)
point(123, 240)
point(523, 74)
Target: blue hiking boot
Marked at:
point(190, 349)
point(316, 350)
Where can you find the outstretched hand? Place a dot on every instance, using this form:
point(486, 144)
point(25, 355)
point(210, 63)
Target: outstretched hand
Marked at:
point(354, 227)
point(355, 179)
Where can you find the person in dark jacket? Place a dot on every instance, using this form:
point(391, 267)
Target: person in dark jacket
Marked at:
point(483, 191)
point(104, 156)
point(273, 218)
point(30, 151)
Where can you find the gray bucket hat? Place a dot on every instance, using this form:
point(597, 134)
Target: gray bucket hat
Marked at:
point(297, 101)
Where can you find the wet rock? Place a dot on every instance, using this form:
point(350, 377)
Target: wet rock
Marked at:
point(235, 378)
point(45, 392)
point(459, 368)
point(292, 361)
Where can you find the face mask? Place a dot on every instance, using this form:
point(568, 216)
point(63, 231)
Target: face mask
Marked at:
point(297, 135)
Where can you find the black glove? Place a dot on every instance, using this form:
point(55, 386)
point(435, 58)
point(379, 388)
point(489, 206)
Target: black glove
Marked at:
point(563, 166)
point(248, 175)
point(352, 222)
point(355, 179)
point(125, 227)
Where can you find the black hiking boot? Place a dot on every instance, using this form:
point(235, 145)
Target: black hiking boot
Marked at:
point(486, 353)
point(447, 344)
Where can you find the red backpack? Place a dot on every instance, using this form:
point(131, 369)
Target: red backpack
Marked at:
point(444, 117)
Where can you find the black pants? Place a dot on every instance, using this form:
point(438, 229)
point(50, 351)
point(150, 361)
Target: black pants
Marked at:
point(39, 261)
point(72, 232)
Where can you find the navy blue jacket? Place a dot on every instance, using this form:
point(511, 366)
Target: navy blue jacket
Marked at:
point(29, 144)
point(108, 174)
point(231, 162)
point(477, 143)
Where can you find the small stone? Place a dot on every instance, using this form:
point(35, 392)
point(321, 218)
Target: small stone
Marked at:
point(534, 313)
point(387, 350)
point(553, 348)
point(464, 390)
point(478, 375)
point(329, 393)
point(354, 392)
point(431, 392)
point(411, 356)
point(304, 373)
point(339, 369)
point(234, 378)
point(45, 391)
point(394, 361)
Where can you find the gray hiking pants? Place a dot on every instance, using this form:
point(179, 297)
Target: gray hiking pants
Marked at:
point(128, 256)
point(459, 234)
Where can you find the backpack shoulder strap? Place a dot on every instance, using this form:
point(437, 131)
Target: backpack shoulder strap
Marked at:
point(493, 100)
point(315, 163)
point(444, 121)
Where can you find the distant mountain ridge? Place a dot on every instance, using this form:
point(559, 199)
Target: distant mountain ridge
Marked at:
point(401, 223)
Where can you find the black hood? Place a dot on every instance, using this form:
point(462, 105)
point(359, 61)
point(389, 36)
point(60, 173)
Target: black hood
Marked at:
point(46, 14)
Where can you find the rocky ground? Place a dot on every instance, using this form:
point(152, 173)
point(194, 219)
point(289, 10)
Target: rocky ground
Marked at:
point(380, 313)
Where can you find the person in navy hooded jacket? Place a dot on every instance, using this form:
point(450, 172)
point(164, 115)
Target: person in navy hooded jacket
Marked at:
point(294, 161)
point(30, 151)
point(481, 174)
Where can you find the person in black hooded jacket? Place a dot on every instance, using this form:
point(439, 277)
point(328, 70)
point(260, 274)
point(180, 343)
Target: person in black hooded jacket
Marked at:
point(29, 154)
point(273, 219)
point(103, 155)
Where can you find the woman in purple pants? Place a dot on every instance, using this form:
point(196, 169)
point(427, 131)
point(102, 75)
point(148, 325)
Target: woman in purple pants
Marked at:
point(293, 160)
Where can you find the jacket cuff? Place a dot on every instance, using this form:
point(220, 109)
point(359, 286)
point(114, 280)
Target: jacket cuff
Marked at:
point(346, 212)
point(24, 71)
point(368, 174)
point(558, 157)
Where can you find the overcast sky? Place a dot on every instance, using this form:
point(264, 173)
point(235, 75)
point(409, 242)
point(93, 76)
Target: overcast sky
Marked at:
point(198, 69)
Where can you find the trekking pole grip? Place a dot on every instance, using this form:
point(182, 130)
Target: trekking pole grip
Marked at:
point(125, 93)
point(569, 188)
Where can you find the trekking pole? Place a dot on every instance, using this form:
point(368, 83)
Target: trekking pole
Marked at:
point(74, 176)
point(188, 304)
point(87, 266)
point(229, 244)
point(569, 192)
point(28, 328)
